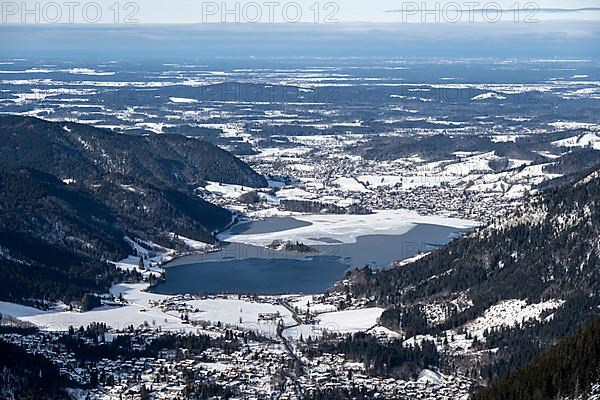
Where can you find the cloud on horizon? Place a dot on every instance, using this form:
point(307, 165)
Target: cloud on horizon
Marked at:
point(485, 40)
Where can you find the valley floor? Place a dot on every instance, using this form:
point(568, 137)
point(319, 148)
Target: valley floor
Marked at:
point(283, 322)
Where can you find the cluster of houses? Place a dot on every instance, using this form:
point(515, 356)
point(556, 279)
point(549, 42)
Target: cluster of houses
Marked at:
point(48, 345)
point(440, 200)
point(405, 184)
point(333, 371)
point(257, 370)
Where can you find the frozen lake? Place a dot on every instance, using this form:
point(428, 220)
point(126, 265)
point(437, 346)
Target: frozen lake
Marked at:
point(252, 269)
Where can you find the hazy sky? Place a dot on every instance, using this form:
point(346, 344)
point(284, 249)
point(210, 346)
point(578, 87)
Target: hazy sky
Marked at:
point(191, 28)
point(324, 11)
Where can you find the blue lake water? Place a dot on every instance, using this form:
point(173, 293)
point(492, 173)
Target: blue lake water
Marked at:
point(274, 224)
point(243, 268)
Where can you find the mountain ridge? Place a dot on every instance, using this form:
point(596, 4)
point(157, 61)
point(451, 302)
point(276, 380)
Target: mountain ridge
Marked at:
point(75, 151)
point(71, 194)
point(545, 255)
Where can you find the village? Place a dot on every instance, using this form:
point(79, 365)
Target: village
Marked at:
point(263, 358)
point(237, 368)
point(461, 187)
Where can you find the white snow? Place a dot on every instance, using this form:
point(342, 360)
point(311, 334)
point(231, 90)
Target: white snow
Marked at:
point(429, 376)
point(504, 138)
point(350, 185)
point(509, 313)
point(141, 309)
point(506, 313)
point(511, 184)
point(156, 127)
point(593, 394)
point(294, 194)
point(87, 71)
point(487, 96)
point(588, 178)
point(17, 310)
point(586, 140)
point(376, 181)
point(466, 165)
point(383, 332)
point(240, 313)
point(286, 152)
point(572, 125)
point(346, 228)
point(226, 190)
point(182, 100)
point(115, 317)
point(304, 303)
point(192, 244)
point(338, 322)
point(74, 71)
point(411, 260)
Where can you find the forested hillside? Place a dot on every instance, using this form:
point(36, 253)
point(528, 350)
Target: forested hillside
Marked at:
point(547, 250)
point(75, 151)
point(570, 369)
point(70, 194)
point(55, 238)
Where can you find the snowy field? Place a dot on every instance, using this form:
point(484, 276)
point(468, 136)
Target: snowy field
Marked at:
point(136, 313)
point(337, 322)
point(506, 313)
point(304, 303)
point(590, 140)
point(143, 309)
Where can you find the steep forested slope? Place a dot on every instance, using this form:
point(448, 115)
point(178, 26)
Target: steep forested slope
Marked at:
point(70, 194)
point(74, 151)
point(547, 249)
point(571, 368)
point(54, 237)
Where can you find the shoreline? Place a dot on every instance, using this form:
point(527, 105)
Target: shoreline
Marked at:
point(259, 270)
point(161, 262)
point(345, 229)
point(311, 235)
